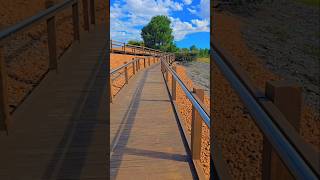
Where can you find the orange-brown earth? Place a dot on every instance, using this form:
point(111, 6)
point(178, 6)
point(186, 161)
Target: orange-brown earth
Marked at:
point(26, 54)
point(185, 110)
point(236, 132)
point(117, 60)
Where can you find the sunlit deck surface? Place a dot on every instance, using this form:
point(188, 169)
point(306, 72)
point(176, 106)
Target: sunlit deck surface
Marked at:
point(60, 131)
point(146, 142)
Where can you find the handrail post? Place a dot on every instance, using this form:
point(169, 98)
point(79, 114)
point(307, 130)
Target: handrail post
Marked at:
point(52, 44)
point(4, 111)
point(111, 45)
point(126, 73)
point(173, 85)
point(287, 97)
point(149, 61)
point(133, 67)
point(144, 62)
point(85, 14)
point(75, 18)
point(196, 128)
point(167, 74)
point(111, 95)
point(92, 12)
point(138, 63)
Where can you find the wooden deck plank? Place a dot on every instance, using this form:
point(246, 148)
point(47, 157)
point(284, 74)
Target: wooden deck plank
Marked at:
point(145, 138)
point(60, 131)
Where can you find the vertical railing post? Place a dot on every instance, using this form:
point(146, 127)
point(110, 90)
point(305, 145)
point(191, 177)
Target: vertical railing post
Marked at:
point(173, 85)
point(126, 73)
point(75, 19)
point(110, 45)
point(137, 62)
point(144, 62)
point(111, 95)
point(196, 128)
point(149, 61)
point(85, 14)
point(287, 97)
point(133, 67)
point(92, 12)
point(165, 71)
point(4, 106)
point(52, 44)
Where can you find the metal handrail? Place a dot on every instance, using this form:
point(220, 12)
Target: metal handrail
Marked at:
point(201, 110)
point(113, 42)
point(46, 14)
point(287, 152)
point(123, 66)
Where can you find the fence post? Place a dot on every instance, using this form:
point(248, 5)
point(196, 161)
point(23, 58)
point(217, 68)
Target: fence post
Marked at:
point(144, 62)
point(111, 95)
point(75, 19)
point(174, 94)
point(126, 73)
point(133, 67)
point(111, 46)
point(92, 12)
point(4, 106)
point(196, 128)
point(137, 65)
point(148, 61)
point(287, 97)
point(85, 14)
point(166, 72)
point(52, 44)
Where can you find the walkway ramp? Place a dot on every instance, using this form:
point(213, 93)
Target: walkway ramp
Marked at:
point(60, 131)
point(145, 139)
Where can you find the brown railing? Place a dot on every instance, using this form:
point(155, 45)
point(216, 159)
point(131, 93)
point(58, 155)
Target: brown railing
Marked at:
point(123, 70)
point(277, 113)
point(121, 47)
point(47, 15)
point(199, 112)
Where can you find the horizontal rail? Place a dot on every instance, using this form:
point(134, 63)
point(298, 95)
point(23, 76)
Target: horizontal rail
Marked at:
point(44, 15)
point(286, 151)
point(136, 47)
point(201, 110)
point(123, 66)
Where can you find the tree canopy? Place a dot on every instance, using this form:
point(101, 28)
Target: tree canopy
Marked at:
point(137, 43)
point(157, 34)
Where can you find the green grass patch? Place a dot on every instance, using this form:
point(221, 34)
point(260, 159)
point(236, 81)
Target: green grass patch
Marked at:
point(205, 60)
point(310, 2)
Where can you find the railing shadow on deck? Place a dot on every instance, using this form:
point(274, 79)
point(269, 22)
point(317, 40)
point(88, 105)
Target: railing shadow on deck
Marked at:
point(89, 104)
point(122, 134)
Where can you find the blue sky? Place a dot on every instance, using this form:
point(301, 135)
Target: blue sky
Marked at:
point(189, 19)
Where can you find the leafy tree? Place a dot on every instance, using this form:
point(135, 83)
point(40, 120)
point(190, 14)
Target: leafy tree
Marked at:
point(157, 34)
point(137, 43)
point(193, 48)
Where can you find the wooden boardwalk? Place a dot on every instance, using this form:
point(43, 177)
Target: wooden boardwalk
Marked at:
point(60, 131)
point(146, 142)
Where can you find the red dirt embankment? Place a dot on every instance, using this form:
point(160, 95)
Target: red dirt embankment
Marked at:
point(236, 132)
point(26, 54)
point(117, 60)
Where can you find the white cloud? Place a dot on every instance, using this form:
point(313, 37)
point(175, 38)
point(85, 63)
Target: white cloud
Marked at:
point(187, 2)
point(127, 17)
point(204, 9)
point(181, 29)
point(192, 11)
